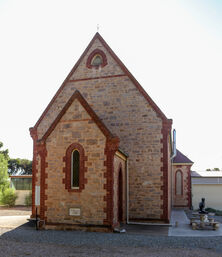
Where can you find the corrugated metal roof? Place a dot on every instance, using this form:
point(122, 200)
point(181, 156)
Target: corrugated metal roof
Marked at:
point(206, 174)
point(206, 180)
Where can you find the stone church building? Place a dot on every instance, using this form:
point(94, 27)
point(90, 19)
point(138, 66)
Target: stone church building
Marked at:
point(102, 150)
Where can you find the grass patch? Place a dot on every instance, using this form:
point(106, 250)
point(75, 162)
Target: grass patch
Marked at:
point(217, 212)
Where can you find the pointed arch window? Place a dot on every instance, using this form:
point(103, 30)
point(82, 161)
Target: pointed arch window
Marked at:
point(179, 183)
point(75, 168)
point(96, 59)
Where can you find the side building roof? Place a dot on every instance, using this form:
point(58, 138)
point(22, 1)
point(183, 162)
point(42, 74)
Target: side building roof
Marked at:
point(181, 159)
point(205, 174)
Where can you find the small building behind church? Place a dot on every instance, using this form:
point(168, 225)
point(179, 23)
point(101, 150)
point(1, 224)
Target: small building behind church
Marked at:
point(22, 184)
point(208, 185)
point(102, 150)
point(181, 177)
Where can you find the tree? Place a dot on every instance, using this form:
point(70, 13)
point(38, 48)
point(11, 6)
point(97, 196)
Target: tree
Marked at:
point(7, 194)
point(19, 166)
point(214, 169)
point(4, 178)
point(4, 152)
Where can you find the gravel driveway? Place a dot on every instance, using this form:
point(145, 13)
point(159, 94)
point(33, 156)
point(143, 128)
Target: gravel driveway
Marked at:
point(15, 211)
point(14, 217)
point(35, 249)
point(24, 240)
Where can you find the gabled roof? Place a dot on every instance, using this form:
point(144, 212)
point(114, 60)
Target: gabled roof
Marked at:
point(89, 110)
point(181, 158)
point(122, 66)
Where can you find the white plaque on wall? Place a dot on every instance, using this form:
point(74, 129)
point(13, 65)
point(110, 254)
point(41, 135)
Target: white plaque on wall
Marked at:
point(74, 211)
point(37, 195)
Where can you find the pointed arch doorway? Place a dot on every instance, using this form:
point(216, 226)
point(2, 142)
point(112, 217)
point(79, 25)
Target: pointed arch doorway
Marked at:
point(120, 195)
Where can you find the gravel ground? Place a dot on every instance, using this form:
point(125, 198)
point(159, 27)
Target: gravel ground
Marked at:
point(15, 211)
point(25, 241)
point(34, 249)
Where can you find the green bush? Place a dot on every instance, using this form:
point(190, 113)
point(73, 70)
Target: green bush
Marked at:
point(28, 199)
point(217, 212)
point(8, 197)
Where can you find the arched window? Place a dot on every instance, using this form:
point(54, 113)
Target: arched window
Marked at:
point(75, 169)
point(96, 59)
point(179, 183)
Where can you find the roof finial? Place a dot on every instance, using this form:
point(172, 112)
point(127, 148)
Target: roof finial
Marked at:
point(97, 27)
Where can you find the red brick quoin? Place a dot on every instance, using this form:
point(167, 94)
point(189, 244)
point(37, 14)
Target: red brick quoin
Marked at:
point(165, 197)
point(112, 145)
point(41, 149)
point(82, 168)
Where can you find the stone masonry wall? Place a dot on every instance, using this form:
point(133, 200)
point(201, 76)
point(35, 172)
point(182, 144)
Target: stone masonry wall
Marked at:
point(76, 126)
point(81, 73)
point(126, 112)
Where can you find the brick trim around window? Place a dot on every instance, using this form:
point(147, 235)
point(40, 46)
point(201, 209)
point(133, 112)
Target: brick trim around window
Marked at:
point(91, 56)
point(68, 169)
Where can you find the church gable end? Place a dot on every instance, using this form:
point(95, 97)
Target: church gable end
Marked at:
point(112, 68)
point(109, 99)
point(88, 68)
point(76, 129)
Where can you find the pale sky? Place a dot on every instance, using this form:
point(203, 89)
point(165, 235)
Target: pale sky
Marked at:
point(173, 48)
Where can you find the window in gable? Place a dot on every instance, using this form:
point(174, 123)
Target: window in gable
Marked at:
point(97, 60)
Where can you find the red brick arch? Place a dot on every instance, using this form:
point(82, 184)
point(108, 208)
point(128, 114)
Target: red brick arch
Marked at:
point(82, 169)
point(91, 56)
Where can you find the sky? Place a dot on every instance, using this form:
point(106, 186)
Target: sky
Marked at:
point(173, 48)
